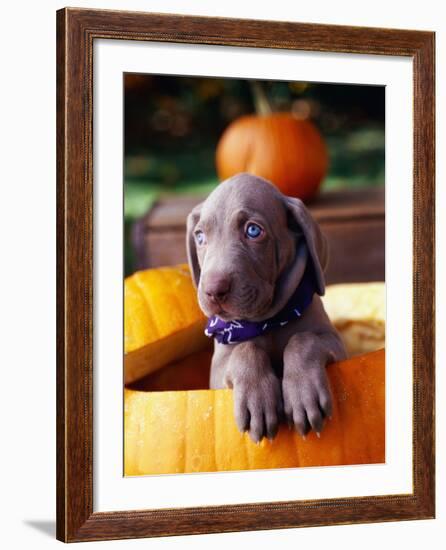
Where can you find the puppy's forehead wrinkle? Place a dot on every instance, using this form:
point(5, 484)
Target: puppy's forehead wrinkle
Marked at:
point(208, 220)
point(245, 193)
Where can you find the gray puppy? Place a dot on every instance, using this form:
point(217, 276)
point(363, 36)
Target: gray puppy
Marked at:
point(257, 259)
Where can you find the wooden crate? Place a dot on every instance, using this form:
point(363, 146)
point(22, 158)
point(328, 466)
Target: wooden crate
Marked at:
point(352, 220)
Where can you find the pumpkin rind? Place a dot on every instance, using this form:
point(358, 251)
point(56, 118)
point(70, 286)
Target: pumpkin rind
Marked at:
point(191, 431)
point(162, 320)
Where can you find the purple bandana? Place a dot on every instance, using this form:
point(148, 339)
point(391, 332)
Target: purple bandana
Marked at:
point(232, 332)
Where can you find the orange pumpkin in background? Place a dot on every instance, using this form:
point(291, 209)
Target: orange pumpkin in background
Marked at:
point(287, 151)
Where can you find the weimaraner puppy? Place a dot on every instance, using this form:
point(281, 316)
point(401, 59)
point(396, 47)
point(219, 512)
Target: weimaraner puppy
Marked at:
point(257, 259)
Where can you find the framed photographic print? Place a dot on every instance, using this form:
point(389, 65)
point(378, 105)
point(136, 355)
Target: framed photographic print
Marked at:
point(245, 275)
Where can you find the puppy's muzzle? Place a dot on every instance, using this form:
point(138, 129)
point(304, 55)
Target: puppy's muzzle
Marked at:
point(217, 287)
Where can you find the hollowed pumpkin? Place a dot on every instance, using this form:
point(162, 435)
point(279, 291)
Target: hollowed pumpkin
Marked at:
point(194, 431)
point(163, 322)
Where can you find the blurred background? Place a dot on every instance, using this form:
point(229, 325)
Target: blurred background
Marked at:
point(173, 125)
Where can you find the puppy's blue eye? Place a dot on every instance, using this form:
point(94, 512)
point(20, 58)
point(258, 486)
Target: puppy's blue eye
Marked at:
point(200, 237)
point(253, 231)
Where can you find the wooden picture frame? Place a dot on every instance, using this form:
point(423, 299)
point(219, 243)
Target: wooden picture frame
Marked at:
point(77, 29)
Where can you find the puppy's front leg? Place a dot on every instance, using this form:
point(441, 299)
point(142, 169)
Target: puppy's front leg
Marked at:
point(306, 393)
point(257, 393)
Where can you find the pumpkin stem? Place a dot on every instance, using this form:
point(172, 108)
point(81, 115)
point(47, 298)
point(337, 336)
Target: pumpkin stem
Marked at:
point(262, 103)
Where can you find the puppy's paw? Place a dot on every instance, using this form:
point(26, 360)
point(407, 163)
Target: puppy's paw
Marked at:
point(258, 406)
point(307, 399)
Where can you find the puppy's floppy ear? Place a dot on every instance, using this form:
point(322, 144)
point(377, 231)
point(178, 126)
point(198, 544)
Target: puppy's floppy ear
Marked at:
point(192, 258)
point(300, 220)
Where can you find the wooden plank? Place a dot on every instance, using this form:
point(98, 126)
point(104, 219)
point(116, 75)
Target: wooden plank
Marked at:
point(352, 220)
point(357, 251)
point(172, 211)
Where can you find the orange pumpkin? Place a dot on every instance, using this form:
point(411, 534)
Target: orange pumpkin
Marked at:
point(286, 151)
point(162, 320)
point(194, 431)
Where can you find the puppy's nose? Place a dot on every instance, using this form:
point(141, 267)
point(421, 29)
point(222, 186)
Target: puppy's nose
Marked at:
point(217, 287)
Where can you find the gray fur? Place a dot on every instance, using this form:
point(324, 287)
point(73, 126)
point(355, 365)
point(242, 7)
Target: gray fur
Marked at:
point(280, 374)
